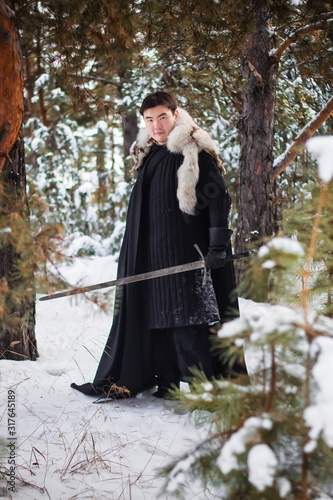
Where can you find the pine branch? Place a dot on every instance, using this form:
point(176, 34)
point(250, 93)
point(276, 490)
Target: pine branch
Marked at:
point(292, 151)
point(305, 480)
point(306, 62)
point(95, 78)
point(298, 20)
point(312, 246)
point(272, 389)
point(319, 25)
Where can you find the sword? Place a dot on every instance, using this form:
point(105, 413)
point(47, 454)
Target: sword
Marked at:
point(198, 264)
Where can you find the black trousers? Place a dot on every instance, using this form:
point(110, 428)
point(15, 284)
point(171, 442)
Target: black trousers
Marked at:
point(176, 350)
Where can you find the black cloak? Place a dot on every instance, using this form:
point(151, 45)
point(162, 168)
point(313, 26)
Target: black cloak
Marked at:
point(127, 357)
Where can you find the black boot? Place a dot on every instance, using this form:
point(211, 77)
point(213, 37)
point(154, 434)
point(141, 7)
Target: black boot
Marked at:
point(164, 386)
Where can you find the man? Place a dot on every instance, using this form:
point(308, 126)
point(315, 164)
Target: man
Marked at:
point(161, 326)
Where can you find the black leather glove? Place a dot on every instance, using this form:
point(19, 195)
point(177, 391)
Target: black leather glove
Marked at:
point(219, 238)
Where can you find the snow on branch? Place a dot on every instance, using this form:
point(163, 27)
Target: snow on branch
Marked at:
point(319, 25)
point(282, 162)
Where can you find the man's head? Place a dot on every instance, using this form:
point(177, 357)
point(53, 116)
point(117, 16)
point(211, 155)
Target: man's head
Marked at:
point(159, 111)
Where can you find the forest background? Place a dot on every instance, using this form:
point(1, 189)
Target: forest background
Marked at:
point(256, 74)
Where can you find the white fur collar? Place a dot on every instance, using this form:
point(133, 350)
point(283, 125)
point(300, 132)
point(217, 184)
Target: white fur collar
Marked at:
point(188, 139)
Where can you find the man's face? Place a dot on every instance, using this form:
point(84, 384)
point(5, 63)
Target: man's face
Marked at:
point(160, 122)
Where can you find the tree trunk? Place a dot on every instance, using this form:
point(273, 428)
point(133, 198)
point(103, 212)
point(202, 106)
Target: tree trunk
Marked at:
point(17, 262)
point(17, 306)
point(11, 83)
point(130, 132)
point(256, 129)
point(101, 193)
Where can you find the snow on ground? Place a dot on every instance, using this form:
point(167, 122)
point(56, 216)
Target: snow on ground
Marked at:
point(67, 447)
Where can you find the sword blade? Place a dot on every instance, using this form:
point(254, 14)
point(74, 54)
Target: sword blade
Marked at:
point(182, 268)
point(199, 264)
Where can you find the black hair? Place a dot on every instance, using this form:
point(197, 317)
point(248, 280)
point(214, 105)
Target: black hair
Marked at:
point(159, 99)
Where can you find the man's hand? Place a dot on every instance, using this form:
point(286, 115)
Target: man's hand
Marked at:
point(215, 258)
point(219, 238)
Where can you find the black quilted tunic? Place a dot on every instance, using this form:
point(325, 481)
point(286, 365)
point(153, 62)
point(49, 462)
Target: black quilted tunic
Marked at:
point(167, 237)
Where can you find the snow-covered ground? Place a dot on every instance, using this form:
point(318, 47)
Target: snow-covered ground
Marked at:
point(67, 447)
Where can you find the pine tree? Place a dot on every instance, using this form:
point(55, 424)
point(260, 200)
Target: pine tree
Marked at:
point(17, 304)
point(71, 36)
point(242, 50)
point(272, 438)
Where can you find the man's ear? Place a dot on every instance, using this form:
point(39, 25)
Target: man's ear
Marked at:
point(176, 113)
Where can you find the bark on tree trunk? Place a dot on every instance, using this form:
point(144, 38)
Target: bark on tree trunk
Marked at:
point(256, 129)
point(11, 83)
point(102, 191)
point(17, 298)
point(130, 132)
point(17, 311)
